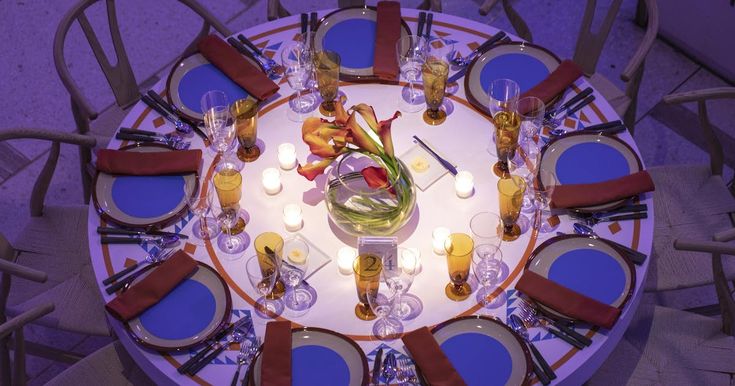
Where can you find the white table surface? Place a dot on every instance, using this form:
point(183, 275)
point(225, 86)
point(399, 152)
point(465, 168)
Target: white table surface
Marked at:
point(464, 136)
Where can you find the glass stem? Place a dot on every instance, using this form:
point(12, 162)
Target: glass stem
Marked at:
point(229, 237)
point(298, 99)
point(398, 303)
point(411, 95)
point(202, 228)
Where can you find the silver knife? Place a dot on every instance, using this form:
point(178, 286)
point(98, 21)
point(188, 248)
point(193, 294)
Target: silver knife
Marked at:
point(376, 367)
point(447, 165)
point(212, 342)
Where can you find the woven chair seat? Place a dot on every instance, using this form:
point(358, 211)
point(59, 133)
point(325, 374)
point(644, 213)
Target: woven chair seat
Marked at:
point(108, 366)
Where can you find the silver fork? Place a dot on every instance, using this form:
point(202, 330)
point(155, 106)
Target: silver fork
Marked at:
point(151, 258)
point(406, 373)
point(555, 120)
point(270, 65)
point(530, 319)
point(252, 352)
point(461, 61)
point(245, 355)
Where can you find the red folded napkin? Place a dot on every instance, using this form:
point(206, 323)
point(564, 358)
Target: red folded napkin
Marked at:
point(148, 163)
point(556, 82)
point(241, 71)
point(577, 195)
point(388, 31)
point(434, 365)
point(275, 369)
point(153, 288)
point(566, 301)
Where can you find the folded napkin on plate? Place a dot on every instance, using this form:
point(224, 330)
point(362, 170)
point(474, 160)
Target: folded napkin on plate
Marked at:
point(388, 31)
point(434, 365)
point(241, 71)
point(566, 301)
point(148, 163)
point(556, 82)
point(276, 367)
point(152, 288)
point(578, 195)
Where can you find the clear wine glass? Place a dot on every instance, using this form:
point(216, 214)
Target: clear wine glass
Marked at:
point(531, 111)
point(217, 122)
point(411, 51)
point(200, 203)
point(262, 281)
point(382, 302)
point(294, 265)
point(298, 69)
point(399, 278)
point(543, 188)
point(487, 264)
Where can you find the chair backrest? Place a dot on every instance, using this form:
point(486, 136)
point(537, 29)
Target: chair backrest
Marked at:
point(275, 10)
point(119, 76)
point(589, 43)
point(519, 25)
point(44, 177)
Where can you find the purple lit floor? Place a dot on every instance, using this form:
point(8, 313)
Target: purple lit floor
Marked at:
point(156, 31)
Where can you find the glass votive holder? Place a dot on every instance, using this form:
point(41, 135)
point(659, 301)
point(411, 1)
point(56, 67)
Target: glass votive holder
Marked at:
point(345, 258)
point(293, 218)
point(271, 181)
point(286, 156)
point(464, 184)
point(438, 237)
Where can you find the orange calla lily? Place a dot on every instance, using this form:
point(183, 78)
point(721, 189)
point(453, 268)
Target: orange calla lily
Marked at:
point(359, 137)
point(311, 170)
point(324, 139)
point(384, 134)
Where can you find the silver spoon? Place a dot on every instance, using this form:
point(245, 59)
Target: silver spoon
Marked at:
point(634, 256)
point(389, 368)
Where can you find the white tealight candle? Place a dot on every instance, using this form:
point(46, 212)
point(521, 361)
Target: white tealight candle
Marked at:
point(438, 237)
point(345, 258)
point(287, 156)
point(292, 217)
point(464, 184)
point(271, 180)
point(411, 261)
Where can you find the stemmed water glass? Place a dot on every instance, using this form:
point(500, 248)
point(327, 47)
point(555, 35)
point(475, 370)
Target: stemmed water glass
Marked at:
point(228, 217)
point(294, 265)
point(531, 111)
point(486, 228)
point(200, 203)
point(543, 188)
point(487, 264)
point(382, 302)
point(399, 278)
point(298, 69)
point(262, 281)
point(217, 122)
point(411, 51)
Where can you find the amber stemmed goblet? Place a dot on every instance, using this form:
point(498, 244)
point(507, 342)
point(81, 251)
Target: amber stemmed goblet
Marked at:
point(503, 95)
point(459, 247)
point(367, 268)
point(244, 112)
point(326, 65)
point(511, 192)
point(269, 249)
point(434, 72)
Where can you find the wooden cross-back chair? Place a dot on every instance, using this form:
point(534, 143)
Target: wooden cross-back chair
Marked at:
point(119, 75)
point(276, 10)
point(589, 46)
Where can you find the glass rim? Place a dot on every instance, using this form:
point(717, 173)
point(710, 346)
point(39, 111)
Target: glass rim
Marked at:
point(259, 271)
point(261, 250)
point(483, 236)
point(449, 242)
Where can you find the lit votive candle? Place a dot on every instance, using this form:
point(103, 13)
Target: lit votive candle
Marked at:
point(287, 156)
point(345, 257)
point(411, 261)
point(271, 180)
point(464, 184)
point(438, 237)
point(292, 217)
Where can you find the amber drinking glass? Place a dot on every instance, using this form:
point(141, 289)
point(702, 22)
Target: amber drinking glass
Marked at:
point(434, 72)
point(367, 268)
point(511, 192)
point(228, 185)
point(326, 65)
point(245, 115)
point(459, 248)
point(269, 249)
point(503, 95)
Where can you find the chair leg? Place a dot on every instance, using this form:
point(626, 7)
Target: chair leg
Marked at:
point(85, 155)
point(4, 361)
point(48, 352)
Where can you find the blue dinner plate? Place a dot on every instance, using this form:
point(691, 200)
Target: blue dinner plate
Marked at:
point(525, 63)
point(192, 312)
point(588, 266)
point(587, 158)
point(350, 32)
point(484, 351)
point(194, 76)
point(143, 201)
point(320, 357)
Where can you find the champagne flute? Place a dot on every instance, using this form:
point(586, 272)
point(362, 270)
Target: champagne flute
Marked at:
point(531, 111)
point(297, 63)
point(435, 71)
point(262, 282)
point(543, 188)
point(503, 96)
point(200, 203)
point(227, 217)
point(327, 65)
point(411, 51)
point(511, 192)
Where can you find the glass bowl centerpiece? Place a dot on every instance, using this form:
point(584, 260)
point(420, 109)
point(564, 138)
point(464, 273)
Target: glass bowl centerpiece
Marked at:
point(369, 191)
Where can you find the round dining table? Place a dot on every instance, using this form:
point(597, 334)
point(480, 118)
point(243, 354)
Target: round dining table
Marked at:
point(463, 138)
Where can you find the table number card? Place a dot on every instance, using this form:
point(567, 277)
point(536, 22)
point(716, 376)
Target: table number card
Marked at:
point(386, 248)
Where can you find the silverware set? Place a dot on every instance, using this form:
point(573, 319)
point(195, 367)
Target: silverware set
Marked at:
point(308, 26)
point(172, 114)
point(554, 117)
point(391, 368)
point(245, 357)
point(532, 317)
point(607, 128)
point(121, 279)
point(269, 65)
point(406, 373)
point(234, 333)
point(541, 368)
point(171, 140)
point(627, 212)
point(425, 19)
point(463, 62)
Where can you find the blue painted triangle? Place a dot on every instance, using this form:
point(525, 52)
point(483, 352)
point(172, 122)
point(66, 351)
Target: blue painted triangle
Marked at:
point(216, 361)
point(229, 361)
point(274, 47)
point(536, 337)
point(548, 336)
